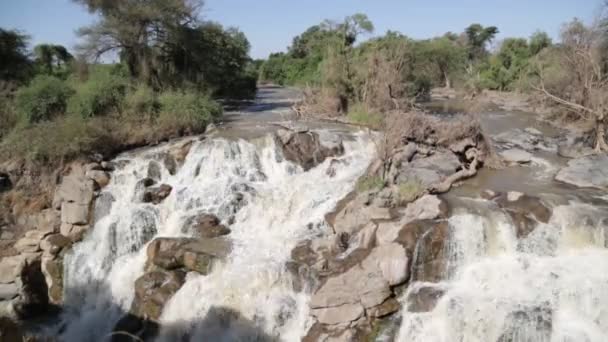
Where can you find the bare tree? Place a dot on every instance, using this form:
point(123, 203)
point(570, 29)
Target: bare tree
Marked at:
point(582, 86)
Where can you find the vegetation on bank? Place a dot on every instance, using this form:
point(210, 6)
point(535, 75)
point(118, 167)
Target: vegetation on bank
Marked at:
point(171, 69)
point(365, 80)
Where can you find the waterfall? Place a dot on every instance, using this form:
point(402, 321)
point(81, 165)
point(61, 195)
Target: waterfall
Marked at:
point(270, 205)
point(549, 286)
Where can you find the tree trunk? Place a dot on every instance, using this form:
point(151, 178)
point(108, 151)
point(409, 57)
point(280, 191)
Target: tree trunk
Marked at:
point(600, 137)
point(448, 82)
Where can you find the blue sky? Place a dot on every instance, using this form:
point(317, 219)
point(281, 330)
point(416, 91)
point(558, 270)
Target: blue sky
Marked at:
point(271, 24)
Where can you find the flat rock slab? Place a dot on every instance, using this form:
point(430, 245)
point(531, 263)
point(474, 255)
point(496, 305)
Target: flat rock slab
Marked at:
point(516, 156)
point(586, 172)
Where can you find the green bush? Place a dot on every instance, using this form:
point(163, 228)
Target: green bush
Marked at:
point(409, 191)
point(357, 113)
point(368, 183)
point(50, 142)
point(101, 94)
point(186, 112)
point(45, 97)
point(141, 102)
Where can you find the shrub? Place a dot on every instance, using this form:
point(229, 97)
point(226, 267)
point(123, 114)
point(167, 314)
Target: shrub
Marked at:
point(186, 112)
point(50, 142)
point(45, 97)
point(102, 93)
point(409, 191)
point(359, 114)
point(368, 183)
point(141, 102)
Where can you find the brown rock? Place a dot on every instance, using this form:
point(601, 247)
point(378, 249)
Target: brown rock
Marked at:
point(423, 299)
point(157, 194)
point(75, 213)
point(305, 148)
point(526, 211)
point(390, 306)
point(53, 244)
point(53, 273)
point(205, 226)
point(430, 262)
point(153, 290)
point(100, 177)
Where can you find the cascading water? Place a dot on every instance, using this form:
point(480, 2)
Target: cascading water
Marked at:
point(272, 205)
point(550, 286)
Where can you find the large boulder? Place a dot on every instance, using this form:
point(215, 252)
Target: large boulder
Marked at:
point(153, 290)
point(430, 240)
point(586, 172)
point(306, 148)
point(52, 268)
point(195, 255)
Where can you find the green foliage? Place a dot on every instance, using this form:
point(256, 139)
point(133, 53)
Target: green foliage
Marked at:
point(8, 116)
point(14, 64)
point(409, 191)
point(101, 94)
point(538, 41)
point(141, 101)
point(52, 141)
point(44, 98)
point(368, 183)
point(49, 56)
point(477, 39)
point(186, 112)
point(360, 115)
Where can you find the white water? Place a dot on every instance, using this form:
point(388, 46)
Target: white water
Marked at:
point(550, 286)
point(283, 205)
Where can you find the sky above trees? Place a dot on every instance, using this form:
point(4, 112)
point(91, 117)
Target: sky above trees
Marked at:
point(271, 24)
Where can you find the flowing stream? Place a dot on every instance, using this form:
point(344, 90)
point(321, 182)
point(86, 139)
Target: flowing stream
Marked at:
point(274, 203)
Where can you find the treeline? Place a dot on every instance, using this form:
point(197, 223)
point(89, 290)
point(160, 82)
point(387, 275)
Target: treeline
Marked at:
point(460, 60)
point(171, 69)
point(365, 80)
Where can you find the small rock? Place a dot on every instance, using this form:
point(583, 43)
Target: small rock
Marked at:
point(516, 156)
point(513, 196)
point(390, 306)
point(533, 131)
point(154, 171)
point(100, 177)
point(205, 226)
point(423, 298)
point(157, 194)
point(153, 290)
point(53, 244)
point(488, 194)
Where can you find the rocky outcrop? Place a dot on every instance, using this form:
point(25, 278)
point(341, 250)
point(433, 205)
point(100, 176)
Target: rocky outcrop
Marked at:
point(157, 194)
point(168, 262)
point(354, 274)
point(525, 211)
point(586, 172)
point(307, 148)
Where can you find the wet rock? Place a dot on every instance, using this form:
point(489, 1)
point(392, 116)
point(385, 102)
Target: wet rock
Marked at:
point(333, 166)
point(423, 298)
point(52, 268)
point(526, 211)
point(537, 321)
point(100, 177)
point(430, 259)
point(205, 226)
point(195, 255)
point(306, 148)
point(10, 331)
point(53, 244)
point(525, 140)
point(153, 290)
point(157, 194)
point(586, 172)
point(576, 146)
point(131, 325)
point(489, 194)
point(154, 171)
point(175, 157)
point(103, 205)
point(516, 156)
point(355, 214)
point(389, 307)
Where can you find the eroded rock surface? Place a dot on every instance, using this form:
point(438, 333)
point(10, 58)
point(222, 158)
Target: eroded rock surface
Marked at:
point(586, 172)
point(306, 148)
